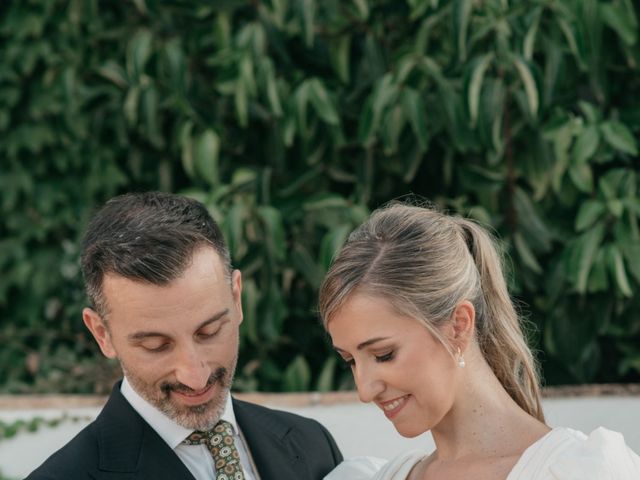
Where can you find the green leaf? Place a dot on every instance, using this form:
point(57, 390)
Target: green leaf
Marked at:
point(419, 7)
point(150, 110)
point(250, 299)
point(306, 265)
point(415, 110)
point(241, 101)
point(616, 266)
point(324, 201)
point(139, 52)
point(297, 376)
point(582, 177)
point(175, 59)
point(598, 279)
point(592, 113)
point(618, 135)
point(530, 222)
point(589, 245)
point(462, 15)
point(616, 207)
point(362, 6)
point(273, 313)
point(590, 211)
point(570, 36)
point(274, 231)
point(616, 17)
point(114, 72)
point(131, 105)
point(326, 378)
point(247, 74)
point(272, 90)
point(321, 102)
point(206, 153)
point(339, 52)
point(234, 223)
point(384, 93)
point(631, 253)
point(392, 125)
point(526, 75)
point(308, 8)
point(586, 145)
point(562, 137)
point(301, 101)
point(530, 37)
point(475, 85)
point(527, 256)
point(331, 244)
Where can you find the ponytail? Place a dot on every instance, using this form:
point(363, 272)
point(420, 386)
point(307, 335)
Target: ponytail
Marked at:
point(499, 333)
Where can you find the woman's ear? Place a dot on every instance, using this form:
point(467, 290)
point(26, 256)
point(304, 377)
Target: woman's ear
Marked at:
point(463, 325)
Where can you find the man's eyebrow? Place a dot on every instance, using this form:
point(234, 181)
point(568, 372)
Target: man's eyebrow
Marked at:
point(365, 344)
point(137, 336)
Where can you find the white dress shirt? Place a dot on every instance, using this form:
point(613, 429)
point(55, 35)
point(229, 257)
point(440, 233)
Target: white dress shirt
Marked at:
point(196, 458)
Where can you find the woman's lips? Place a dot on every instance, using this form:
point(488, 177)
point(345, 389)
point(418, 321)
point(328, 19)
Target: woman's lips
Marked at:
point(392, 407)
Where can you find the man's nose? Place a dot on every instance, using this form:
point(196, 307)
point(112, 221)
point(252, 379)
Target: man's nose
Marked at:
point(191, 370)
point(369, 385)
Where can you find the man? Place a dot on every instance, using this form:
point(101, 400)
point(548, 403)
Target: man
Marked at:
point(166, 303)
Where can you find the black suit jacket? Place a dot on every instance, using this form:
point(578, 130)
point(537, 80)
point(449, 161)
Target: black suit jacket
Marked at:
point(120, 445)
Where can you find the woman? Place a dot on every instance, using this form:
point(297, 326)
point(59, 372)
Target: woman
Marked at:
point(417, 305)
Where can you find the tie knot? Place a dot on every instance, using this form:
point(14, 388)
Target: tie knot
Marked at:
point(219, 442)
point(221, 434)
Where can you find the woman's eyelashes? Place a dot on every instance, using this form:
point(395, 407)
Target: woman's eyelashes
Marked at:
point(350, 362)
point(385, 358)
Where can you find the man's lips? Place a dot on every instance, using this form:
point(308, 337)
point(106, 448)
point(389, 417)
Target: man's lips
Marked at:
point(194, 397)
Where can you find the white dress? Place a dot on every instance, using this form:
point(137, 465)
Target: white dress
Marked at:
point(562, 454)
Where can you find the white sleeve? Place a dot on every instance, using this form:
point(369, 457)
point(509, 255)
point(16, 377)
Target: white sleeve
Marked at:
point(357, 468)
point(371, 468)
point(603, 455)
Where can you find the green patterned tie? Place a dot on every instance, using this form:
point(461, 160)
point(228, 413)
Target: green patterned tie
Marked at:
point(219, 441)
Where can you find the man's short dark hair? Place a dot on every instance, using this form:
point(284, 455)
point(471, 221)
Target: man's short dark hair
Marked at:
point(148, 237)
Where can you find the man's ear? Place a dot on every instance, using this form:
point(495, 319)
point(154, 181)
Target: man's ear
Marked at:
point(99, 330)
point(463, 325)
point(236, 289)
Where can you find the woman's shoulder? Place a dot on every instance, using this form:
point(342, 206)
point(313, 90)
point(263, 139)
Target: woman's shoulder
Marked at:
point(371, 468)
point(565, 453)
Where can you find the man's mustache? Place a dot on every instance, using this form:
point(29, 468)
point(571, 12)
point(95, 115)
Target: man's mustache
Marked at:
point(217, 376)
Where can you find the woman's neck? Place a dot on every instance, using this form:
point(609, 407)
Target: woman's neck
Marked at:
point(484, 420)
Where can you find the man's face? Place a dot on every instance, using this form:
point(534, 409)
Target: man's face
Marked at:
point(178, 343)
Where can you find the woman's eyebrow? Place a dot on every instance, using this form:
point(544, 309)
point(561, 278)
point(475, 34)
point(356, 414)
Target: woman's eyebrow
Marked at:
point(364, 344)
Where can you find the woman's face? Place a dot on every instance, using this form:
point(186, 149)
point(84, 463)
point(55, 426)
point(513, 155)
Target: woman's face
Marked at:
point(396, 363)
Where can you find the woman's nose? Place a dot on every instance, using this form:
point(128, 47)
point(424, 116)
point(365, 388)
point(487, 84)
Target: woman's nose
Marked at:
point(369, 385)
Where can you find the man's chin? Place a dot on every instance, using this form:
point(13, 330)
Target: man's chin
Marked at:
point(195, 417)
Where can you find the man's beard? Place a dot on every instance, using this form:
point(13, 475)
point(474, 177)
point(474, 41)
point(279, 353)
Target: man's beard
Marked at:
point(194, 417)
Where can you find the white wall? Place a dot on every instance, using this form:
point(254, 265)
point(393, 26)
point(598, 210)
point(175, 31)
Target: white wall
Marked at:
point(359, 429)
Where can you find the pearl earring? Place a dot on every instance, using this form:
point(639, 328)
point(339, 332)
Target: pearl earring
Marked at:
point(461, 362)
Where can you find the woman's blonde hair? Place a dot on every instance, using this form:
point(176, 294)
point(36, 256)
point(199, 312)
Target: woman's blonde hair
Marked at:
point(425, 263)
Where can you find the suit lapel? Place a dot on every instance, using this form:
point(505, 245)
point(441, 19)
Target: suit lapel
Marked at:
point(130, 448)
point(274, 452)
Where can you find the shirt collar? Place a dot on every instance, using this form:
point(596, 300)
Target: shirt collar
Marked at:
point(172, 433)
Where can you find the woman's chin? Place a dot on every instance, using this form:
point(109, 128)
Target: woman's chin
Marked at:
point(410, 431)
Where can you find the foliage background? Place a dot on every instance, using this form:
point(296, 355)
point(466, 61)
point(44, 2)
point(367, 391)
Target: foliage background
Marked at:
point(291, 120)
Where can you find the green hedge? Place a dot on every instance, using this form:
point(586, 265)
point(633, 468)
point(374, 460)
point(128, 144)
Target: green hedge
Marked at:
point(291, 120)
